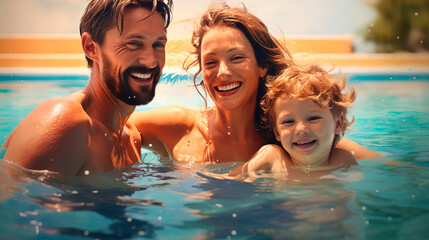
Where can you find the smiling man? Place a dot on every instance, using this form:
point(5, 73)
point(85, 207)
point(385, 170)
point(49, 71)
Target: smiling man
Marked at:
point(87, 132)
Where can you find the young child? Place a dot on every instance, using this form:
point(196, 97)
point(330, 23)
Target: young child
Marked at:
point(306, 109)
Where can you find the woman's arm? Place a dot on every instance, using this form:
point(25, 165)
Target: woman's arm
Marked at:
point(162, 128)
point(359, 151)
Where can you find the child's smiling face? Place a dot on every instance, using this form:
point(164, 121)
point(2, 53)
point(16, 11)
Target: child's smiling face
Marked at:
point(305, 130)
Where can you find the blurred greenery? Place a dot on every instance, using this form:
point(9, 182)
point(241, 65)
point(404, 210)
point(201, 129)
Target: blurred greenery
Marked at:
point(400, 25)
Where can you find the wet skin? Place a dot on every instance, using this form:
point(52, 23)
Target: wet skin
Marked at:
point(87, 132)
point(224, 133)
point(305, 130)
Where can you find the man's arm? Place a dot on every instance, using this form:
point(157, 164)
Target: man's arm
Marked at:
point(359, 151)
point(52, 137)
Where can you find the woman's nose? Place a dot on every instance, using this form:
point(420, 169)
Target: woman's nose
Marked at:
point(224, 70)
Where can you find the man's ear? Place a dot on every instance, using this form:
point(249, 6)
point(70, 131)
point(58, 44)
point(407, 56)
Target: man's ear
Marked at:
point(89, 46)
point(339, 124)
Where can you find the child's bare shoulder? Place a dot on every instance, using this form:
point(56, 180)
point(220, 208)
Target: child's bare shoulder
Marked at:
point(341, 156)
point(272, 149)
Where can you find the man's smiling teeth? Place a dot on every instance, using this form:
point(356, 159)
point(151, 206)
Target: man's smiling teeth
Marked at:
point(141, 75)
point(227, 87)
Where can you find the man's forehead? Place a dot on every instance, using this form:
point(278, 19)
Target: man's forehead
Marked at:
point(142, 18)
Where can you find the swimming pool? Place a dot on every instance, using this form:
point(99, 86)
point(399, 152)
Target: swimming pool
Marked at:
point(165, 201)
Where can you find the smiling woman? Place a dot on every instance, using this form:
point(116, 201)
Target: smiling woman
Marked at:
point(234, 52)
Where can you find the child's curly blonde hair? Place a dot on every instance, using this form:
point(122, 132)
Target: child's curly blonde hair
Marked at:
point(309, 82)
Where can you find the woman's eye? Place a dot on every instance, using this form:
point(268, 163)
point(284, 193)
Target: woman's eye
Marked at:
point(237, 58)
point(209, 63)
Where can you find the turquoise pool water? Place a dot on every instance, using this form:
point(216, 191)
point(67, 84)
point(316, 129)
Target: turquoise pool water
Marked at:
point(152, 200)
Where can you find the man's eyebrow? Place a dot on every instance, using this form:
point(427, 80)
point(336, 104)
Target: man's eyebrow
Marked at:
point(138, 36)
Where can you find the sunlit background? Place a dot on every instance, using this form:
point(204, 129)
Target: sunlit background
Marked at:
point(353, 18)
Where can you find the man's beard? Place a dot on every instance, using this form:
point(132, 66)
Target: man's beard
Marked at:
point(121, 88)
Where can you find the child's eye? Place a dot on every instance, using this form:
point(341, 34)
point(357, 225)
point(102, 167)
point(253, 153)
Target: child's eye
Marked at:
point(288, 122)
point(314, 118)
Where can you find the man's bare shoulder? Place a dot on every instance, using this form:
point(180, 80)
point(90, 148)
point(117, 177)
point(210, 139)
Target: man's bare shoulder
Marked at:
point(51, 135)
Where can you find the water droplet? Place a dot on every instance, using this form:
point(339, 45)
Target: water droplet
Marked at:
point(397, 37)
point(363, 208)
point(86, 172)
point(416, 14)
point(150, 145)
point(234, 215)
point(233, 232)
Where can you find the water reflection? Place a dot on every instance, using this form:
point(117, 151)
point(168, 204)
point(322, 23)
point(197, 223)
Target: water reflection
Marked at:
point(94, 206)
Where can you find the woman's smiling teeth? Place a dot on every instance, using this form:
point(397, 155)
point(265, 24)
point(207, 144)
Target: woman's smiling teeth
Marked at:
point(228, 87)
point(142, 76)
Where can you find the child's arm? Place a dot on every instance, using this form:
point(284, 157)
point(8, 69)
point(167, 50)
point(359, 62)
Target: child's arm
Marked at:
point(269, 158)
point(341, 156)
